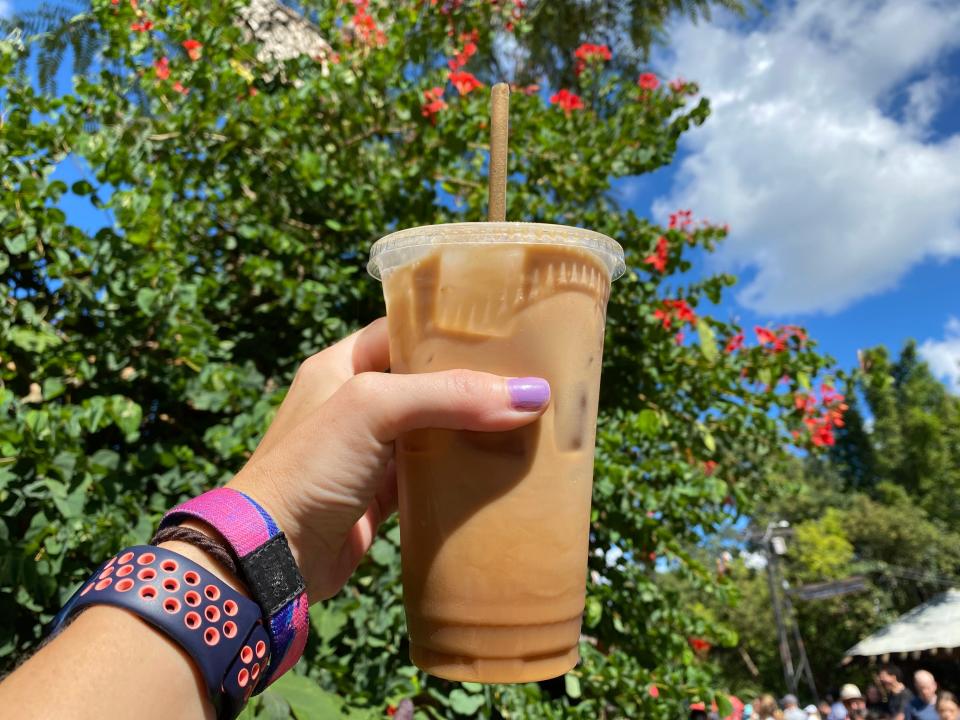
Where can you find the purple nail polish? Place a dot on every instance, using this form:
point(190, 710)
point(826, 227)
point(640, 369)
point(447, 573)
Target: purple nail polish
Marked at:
point(528, 393)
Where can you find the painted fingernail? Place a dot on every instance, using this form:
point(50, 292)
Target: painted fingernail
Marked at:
point(528, 393)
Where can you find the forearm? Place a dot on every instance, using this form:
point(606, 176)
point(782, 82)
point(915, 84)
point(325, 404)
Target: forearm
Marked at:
point(111, 664)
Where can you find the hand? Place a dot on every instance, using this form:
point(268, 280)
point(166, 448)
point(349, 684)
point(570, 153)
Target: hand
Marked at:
point(324, 470)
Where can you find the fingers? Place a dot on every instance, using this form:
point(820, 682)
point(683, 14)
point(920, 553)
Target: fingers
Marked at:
point(386, 406)
point(320, 375)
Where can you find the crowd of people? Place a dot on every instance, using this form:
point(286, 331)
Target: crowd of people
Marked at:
point(887, 698)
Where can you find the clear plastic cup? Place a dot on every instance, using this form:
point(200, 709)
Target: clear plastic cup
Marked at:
point(495, 526)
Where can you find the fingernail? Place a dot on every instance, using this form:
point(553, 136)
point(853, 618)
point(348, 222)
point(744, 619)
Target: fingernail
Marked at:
point(528, 393)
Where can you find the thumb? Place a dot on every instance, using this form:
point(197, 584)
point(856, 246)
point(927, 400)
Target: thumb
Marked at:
point(391, 405)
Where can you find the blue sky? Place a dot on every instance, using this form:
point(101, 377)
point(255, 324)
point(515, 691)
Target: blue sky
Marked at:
point(834, 155)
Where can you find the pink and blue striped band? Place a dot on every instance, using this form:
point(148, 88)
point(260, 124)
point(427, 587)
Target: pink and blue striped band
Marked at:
point(247, 527)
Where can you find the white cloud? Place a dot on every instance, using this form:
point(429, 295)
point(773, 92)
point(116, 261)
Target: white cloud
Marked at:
point(829, 197)
point(943, 356)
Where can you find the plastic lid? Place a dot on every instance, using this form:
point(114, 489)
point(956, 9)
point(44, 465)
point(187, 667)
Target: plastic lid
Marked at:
point(405, 246)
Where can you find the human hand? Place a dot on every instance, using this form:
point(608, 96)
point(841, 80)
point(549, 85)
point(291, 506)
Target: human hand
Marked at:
point(324, 470)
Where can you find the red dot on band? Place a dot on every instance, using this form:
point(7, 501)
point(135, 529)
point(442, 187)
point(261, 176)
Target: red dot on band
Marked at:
point(106, 573)
point(191, 578)
point(192, 598)
point(105, 583)
point(192, 620)
point(230, 608)
point(246, 654)
point(87, 589)
point(124, 585)
point(261, 648)
point(255, 672)
point(126, 557)
point(171, 605)
point(147, 574)
point(146, 558)
point(148, 593)
point(124, 570)
point(212, 592)
point(171, 584)
point(169, 565)
point(243, 677)
point(211, 636)
point(212, 613)
point(229, 629)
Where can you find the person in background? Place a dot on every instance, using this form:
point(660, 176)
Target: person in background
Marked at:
point(924, 705)
point(766, 708)
point(875, 701)
point(853, 701)
point(791, 708)
point(811, 712)
point(898, 696)
point(948, 707)
point(835, 708)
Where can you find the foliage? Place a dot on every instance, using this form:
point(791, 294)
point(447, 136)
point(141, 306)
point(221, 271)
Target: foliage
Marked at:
point(881, 505)
point(141, 361)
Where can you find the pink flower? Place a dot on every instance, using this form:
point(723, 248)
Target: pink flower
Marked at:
point(659, 257)
point(735, 343)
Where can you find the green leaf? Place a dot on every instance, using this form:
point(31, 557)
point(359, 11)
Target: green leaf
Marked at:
point(52, 387)
point(708, 341)
point(803, 380)
point(327, 621)
point(764, 376)
point(147, 299)
point(593, 612)
point(572, 684)
point(707, 437)
point(648, 422)
point(464, 704)
point(333, 224)
point(724, 708)
point(472, 687)
point(384, 553)
point(126, 414)
point(306, 699)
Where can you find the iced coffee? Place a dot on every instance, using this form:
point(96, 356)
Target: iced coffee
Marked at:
point(494, 526)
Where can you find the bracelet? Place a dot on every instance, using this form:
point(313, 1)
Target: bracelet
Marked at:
point(211, 546)
point(266, 566)
point(218, 627)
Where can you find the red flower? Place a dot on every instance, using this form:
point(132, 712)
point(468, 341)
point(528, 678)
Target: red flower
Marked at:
point(648, 81)
point(194, 48)
point(434, 103)
point(654, 691)
point(567, 100)
point(659, 258)
point(180, 88)
point(145, 26)
point(679, 338)
point(588, 53)
point(462, 57)
point(734, 343)
point(664, 317)
point(464, 82)
point(683, 311)
point(162, 68)
point(699, 644)
point(764, 335)
point(709, 467)
point(391, 710)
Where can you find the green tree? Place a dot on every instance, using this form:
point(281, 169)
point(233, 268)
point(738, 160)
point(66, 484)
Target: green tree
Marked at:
point(142, 361)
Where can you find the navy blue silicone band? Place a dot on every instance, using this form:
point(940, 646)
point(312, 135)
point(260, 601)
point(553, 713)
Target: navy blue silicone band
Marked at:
point(221, 629)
